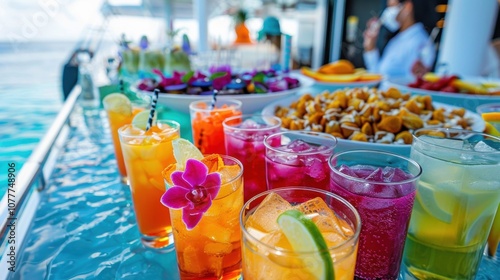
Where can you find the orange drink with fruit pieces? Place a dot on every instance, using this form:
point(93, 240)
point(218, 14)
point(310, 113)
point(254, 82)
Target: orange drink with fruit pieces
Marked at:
point(120, 112)
point(117, 120)
point(206, 123)
point(205, 212)
point(299, 233)
point(146, 154)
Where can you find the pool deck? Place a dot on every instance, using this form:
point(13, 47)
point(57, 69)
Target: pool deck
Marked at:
point(84, 226)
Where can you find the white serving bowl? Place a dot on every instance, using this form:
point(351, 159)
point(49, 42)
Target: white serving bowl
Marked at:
point(251, 102)
point(467, 101)
point(400, 149)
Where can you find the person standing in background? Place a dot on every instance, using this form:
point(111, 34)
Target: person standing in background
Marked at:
point(410, 51)
point(271, 31)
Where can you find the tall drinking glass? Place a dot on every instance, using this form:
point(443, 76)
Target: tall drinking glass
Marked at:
point(491, 115)
point(117, 119)
point(298, 158)
point(381, 186)
point(206, 123)
point(244, 140)
point(457, 198)
point(267, 253)
point(146, 154)
point(211, 248)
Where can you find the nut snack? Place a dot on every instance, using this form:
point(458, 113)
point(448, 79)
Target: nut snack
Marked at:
point(369, 115)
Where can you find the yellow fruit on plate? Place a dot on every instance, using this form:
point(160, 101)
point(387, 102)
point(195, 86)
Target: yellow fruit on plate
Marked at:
point(343, 78)
point(431, 77)
point(469, 87)
point(341, 66)
point(370, 77)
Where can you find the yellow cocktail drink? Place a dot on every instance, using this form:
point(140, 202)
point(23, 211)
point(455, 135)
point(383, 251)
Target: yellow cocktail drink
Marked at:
point(279, 250)
point(121, 111)
point(205, 198)
point(491, 115)
point(457, 197)
point(117, 120)
point(146, 154)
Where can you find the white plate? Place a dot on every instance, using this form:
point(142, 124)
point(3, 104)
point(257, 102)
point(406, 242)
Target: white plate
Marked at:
point(331, 86)
point(404, 150)
point(467, 101)
point(251, 102)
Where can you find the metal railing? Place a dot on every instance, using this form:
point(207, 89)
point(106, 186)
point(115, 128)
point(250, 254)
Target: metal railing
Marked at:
point(33, 169)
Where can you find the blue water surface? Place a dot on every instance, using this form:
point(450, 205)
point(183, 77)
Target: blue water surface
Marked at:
point(30, 98)
point(85, 226)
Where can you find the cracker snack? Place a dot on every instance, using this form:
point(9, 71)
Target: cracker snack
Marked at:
point(369, 115)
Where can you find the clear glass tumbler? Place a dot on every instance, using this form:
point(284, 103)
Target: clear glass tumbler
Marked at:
point(457, 197)
point(244, 139)
point(381, 186)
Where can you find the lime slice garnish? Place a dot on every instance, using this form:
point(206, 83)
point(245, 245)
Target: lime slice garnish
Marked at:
point(141, 120)
point(431, 205)
point(494, 237)
point(184, 150)
point(476, 230)
point(304, 236)
point(118, 103)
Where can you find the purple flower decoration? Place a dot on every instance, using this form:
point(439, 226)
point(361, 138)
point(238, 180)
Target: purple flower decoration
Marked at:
point(221, 81)
point(221, 68)
point(192, 192)
point(176, 79)
point(196, 76)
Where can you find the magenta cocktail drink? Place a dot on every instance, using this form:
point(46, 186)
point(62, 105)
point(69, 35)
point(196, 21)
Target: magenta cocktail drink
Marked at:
point(381, 186)
point(298, 158)
point(244, 140)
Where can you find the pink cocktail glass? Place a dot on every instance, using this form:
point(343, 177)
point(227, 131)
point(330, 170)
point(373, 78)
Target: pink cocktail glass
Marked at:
point(298, 158)
point(244, 140)
point(381, 186)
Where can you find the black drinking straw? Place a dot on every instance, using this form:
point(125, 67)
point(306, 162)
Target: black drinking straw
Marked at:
point(153, 109)
point(214, 99)
point(122, 90)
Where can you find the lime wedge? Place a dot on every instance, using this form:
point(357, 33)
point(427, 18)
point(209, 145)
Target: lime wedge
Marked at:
point(184, 150)
point(118, 103)
point(426, 198)
point(494, 237)
point(141, 120)
point(490, 128)
point(304, 236)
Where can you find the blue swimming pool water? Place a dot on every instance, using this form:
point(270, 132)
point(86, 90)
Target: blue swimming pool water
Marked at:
point(85, 226)
point(30, 98)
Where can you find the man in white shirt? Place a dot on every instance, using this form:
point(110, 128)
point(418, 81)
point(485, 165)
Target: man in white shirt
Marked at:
point(410, 51)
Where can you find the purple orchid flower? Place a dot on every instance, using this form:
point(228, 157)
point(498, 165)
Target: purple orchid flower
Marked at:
point(220, 82)
point(196, 77)
point(176, 78)
point(221, 68)
point(278, 86)
point(192, 192)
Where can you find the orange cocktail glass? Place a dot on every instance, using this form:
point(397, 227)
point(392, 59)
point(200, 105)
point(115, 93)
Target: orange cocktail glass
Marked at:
point(268, 254)
point(146, 154)
point(117, 120)
point(206, 123)
point(211, 249)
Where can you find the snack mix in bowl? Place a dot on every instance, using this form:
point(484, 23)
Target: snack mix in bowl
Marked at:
point(369, 115)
